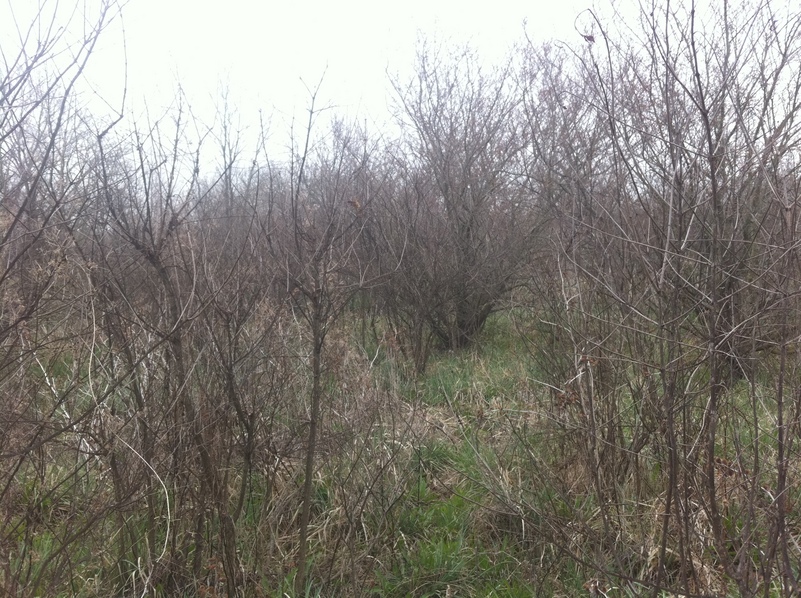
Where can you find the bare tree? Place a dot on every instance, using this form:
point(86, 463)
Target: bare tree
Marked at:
point(458, 223)
point(676, 271)
point(315, 228)
point(44, 419)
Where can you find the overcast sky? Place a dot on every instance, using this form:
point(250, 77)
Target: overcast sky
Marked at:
point(264, 51)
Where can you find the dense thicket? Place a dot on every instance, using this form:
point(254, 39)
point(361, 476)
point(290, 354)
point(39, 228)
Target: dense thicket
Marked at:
point(199, 367)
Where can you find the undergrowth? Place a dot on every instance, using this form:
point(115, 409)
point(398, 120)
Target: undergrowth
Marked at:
point(466, 481)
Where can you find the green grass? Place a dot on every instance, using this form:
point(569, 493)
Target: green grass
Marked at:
point(461, 482)
point(444, 552)
point(496, 367)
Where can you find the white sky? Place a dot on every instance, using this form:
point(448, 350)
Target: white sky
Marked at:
point(263, 51)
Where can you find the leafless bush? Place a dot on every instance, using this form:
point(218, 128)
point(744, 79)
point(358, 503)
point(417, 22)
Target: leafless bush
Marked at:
point(670, 300)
